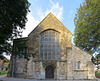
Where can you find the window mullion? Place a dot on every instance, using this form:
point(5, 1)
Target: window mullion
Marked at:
point(49, 45)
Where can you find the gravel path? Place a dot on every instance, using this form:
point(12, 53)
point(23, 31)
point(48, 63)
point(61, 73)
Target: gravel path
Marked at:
point(4, 78)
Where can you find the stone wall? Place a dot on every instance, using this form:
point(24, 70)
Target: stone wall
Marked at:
point(35, 69)
point(30, 68)
point(51, 22)
point(66, 66)
point(61, 70)
point(69, 63)
point(20, 69)
point(86, 70)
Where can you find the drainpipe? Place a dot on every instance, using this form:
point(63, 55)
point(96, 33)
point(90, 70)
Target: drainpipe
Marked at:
point(13, 66)
point(73, 60)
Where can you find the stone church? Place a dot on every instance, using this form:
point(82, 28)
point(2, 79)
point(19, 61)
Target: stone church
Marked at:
point(52, 55)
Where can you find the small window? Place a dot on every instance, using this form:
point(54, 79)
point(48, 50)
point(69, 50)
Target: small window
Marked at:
point(78, 65)
point(22, 53)
point(21, 56)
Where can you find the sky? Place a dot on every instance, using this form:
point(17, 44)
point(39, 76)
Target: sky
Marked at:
point(64, 10)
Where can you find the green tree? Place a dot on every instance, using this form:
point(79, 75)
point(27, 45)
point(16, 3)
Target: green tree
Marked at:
point(87, 26)
point(21, 48)
point(12, 20)
point(96, 60)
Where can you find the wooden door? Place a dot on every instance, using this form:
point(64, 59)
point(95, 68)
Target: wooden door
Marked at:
point(49, 72)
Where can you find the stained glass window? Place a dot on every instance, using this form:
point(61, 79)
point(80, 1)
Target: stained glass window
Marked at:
point(49, 47)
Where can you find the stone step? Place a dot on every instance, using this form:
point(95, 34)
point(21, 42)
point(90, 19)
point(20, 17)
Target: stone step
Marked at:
point(65, 80)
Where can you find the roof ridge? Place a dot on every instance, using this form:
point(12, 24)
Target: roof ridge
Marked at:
point(60, 22)
point(44, 19)
point(82, 49)
point(39, 23)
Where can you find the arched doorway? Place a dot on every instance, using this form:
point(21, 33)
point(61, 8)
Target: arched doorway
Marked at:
point(49, 72)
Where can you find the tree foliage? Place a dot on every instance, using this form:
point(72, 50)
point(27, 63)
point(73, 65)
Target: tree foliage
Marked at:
point(96, 59)
point(87, 26)
point(12, 20)
point(21, 48)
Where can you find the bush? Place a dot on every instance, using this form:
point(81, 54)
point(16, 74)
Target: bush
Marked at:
point(97, 73)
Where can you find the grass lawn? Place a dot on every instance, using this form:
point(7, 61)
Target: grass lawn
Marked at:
point(3, 72)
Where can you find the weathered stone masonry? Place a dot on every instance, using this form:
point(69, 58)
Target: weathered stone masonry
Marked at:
point(65, 67)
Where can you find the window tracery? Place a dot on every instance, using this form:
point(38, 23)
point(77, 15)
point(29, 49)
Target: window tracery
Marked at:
point(49, 47)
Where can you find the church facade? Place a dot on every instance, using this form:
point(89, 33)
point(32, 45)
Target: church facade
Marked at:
point(54, 55)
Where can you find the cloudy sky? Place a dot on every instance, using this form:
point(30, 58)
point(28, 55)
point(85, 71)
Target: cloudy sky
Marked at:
point(64, 10)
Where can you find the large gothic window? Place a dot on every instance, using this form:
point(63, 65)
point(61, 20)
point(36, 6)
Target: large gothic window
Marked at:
point(49, 47)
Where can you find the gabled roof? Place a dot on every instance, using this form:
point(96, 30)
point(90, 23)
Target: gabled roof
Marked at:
point(50, 15)
point(81, 49)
